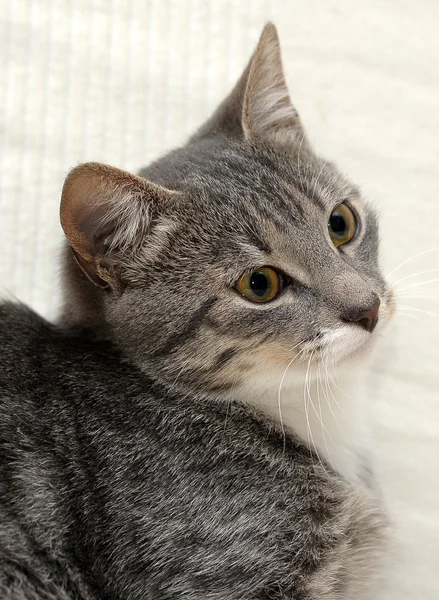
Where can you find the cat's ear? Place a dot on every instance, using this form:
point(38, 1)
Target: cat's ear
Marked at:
point(259, 105)
point(267, 107)
point(106, 212)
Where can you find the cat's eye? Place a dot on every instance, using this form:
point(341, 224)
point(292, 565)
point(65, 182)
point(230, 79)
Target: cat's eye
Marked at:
point(342, 225)
point(262, 285)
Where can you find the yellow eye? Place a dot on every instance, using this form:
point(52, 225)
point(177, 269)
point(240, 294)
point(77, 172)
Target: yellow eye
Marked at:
point(262, 285)
point(342, 225)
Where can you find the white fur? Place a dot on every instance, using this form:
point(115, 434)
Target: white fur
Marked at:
point(327, 411)
point(127, 212)
point(271, 108)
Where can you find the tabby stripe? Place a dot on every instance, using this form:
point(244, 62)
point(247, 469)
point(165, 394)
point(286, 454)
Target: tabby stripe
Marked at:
point(189, 331)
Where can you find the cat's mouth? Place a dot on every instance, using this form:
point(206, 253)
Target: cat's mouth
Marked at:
point(349, 341)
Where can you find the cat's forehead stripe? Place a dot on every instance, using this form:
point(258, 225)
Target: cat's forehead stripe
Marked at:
point(261, 244)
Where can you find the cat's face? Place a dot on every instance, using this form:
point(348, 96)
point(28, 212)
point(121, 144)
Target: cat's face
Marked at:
point(256, 255)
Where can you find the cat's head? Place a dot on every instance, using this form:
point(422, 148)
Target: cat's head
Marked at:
point(235, 255)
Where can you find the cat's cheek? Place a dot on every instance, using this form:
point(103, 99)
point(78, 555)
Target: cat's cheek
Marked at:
point(388, 306)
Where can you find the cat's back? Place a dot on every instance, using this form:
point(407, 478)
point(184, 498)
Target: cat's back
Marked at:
point(24, 339)
point(22, 332)
point(50, 379)
point(40, 361)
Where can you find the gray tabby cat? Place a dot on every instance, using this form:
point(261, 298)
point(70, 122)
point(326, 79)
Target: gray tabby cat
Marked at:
point(178, 435)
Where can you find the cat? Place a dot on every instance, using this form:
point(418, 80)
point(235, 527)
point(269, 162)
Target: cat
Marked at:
point(178, 434)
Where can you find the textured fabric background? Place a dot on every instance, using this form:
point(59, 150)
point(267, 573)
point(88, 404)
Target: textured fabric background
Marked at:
point(120, 81)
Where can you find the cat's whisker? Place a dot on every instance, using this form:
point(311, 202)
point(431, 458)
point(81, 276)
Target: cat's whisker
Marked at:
point(417, 284)
point(409, 297)
point(334, 377)
point(185, 363)
point(388, 275)
point(307, 400)
point(406, 314)
point(328, 190)
point(316, 180)
point(415, 275)
point(330, 354)
point(298, 161)
point(330, 379)
point(307, 405)
point(318, 386)
point(320, 417)
point(420, 310)
point(308, 425)
point(279, 394)
point(230, 396)
point(327, 385)
point(306, 346)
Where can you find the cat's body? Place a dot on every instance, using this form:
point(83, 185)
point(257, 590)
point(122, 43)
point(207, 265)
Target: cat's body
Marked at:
point(170, 438)
point(136, 492)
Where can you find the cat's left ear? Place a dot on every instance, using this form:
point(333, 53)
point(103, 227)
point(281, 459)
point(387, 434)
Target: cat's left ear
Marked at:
point(106, 213)
point(267, 108)
point(259, 106)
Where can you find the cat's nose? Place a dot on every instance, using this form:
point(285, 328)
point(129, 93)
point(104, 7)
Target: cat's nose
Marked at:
point(366, 318)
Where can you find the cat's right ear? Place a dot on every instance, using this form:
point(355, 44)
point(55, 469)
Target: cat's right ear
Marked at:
point(106, 212)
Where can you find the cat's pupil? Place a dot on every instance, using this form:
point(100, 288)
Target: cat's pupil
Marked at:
point(338, 223)
point(259, 284)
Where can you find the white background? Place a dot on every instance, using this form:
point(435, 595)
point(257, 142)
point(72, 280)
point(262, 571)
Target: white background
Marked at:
point(122, 81)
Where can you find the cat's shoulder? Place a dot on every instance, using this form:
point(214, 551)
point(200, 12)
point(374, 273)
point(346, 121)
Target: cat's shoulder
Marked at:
point(16, 313)
point(32, 347)
point(19, 325)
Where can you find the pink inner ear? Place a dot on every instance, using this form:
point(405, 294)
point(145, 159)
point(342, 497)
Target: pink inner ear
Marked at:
point(101, 205)
point(79, 198)
point(90, 192)
point(89, 268)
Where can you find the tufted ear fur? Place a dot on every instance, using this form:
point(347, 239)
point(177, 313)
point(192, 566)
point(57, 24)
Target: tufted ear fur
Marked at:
point(259, 105)
point(105, 212)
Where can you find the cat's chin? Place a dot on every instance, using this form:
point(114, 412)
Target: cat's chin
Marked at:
point(348, 345)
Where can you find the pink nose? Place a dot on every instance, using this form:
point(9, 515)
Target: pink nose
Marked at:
point(366, 318)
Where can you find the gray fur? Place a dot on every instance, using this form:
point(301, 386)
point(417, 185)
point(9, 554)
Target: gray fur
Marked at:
point(129, 467)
